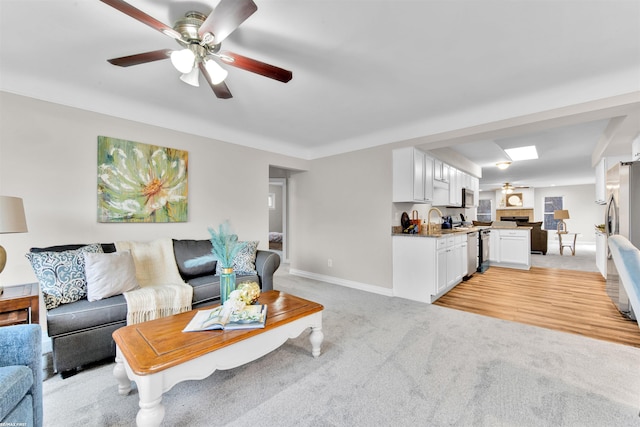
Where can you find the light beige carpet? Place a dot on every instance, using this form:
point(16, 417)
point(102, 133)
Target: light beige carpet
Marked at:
point(387, 362)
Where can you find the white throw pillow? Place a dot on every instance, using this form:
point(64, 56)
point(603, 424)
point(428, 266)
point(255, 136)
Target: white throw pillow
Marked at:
point(109, 274)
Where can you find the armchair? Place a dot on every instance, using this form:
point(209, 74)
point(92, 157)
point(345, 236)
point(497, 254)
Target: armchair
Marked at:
point(539, 238)
point(21, 375)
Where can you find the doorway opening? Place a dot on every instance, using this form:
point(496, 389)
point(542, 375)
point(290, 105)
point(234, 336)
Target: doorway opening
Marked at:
point(278, 229)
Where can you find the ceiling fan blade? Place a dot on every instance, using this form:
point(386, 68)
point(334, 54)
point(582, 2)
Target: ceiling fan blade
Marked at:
point(255, 66)
point(221, 90)
point(139, 15)
point(141, 58)
point(227, 16)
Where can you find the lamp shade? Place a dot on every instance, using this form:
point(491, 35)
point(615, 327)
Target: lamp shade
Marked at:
point(12, 219)
point(561, 214)
point(183, 60)
point(191, 78)
point(217, 74)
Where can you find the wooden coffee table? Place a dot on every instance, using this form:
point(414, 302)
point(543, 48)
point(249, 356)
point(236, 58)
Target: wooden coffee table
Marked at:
point(157, 355)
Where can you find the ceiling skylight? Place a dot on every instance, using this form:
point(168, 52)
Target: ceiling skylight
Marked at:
point(522, 153)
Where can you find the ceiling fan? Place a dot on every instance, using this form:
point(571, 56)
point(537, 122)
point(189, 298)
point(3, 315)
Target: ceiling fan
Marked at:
point(200, 37)
point(508, 188)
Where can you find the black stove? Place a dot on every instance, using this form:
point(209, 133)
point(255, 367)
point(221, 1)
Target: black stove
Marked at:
point(483, 250)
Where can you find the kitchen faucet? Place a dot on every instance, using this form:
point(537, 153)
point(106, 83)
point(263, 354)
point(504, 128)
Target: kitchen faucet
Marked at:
point(430, 227)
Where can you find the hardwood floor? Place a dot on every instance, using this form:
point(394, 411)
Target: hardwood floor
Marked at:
point(564, 300)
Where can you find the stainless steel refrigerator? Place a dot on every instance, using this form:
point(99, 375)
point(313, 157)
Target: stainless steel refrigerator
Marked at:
point(622, 217)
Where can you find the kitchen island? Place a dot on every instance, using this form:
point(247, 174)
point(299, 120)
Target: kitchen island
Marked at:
point(427, 266)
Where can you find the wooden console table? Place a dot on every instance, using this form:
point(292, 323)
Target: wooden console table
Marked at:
point(567, 240)
point(20, 304)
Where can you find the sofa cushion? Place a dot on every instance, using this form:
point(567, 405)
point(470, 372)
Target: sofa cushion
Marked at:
point(61, 274)
point(86, 315)
point(109, 274)
point(187, 250)
point(22, 414)
point(15, 382)
point(244, 262)
point(106, 248)
point(530, 224)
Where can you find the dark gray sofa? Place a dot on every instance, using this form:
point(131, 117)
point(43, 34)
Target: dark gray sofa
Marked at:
point(81, 331)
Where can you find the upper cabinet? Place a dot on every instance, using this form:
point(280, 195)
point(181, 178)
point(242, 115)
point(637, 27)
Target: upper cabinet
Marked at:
point(440, 171)
point(419, 178)
point(412, 176)
point(455, 187)
point(601, 181)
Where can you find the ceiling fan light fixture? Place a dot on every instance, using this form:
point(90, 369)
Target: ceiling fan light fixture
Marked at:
point(507, 188)
point(191, 78)
point(216, 72)
point(184, 60)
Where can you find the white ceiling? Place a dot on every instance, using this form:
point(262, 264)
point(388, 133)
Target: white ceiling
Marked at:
point(365, 72)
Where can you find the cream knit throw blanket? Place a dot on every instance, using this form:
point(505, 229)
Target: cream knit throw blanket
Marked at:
point(162, 291)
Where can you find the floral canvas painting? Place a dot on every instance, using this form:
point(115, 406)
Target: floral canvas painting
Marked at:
point(141, 182)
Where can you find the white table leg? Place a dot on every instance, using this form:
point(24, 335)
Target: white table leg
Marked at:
point(119, 371)
point(151, 411)
point(316, 339)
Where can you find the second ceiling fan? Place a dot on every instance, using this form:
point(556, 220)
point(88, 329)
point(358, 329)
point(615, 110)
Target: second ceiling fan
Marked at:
point(200, 37)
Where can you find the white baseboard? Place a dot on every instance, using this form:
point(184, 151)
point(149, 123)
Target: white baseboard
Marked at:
point(343, 282)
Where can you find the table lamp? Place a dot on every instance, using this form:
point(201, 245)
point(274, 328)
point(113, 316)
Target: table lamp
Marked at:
point(561, 214)
point(12, 220)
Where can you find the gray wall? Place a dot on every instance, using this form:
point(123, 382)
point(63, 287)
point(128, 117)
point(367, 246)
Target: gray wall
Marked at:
point(48, 156)
point(340, 210)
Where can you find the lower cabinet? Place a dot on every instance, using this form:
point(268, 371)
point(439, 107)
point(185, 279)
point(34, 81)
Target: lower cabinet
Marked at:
point(511, 248)
point(425, 268)
point(602, 251)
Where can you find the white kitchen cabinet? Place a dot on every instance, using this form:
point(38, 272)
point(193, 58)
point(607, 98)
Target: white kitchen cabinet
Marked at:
point(440, 171)
point(494, 246)
point(428, 179)
point(601, 253)
point(455, 187)
point(460, 256)
point(452, 262)
point(601, 181)
point(475, 186)
point(442, 278)
point(511, 248)
point(425, 268)
point(412, 176)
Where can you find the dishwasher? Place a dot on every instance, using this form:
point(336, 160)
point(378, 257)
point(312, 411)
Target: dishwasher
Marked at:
point(472, 254)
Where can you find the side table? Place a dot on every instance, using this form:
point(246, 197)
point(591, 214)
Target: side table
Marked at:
point(20, 304)
point(567, 240)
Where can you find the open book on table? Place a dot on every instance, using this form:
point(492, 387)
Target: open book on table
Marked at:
point(250, 317)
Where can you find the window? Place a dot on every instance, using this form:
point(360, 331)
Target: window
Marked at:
point(552, 204)
point(484, 210)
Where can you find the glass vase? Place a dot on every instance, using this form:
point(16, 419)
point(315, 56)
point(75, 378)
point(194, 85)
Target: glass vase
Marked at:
point(227, 284)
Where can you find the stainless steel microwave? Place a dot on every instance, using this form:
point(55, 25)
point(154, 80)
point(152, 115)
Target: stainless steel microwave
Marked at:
point(468, 198)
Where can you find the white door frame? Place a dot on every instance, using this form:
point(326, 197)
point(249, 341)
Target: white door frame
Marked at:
point(285, 226)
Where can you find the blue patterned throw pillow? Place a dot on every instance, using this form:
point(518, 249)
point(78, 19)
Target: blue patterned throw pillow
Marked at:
point(245, 261)
point(61, 274)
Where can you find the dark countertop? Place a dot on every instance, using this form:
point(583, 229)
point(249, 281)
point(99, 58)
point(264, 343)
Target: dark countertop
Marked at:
point(440, 233)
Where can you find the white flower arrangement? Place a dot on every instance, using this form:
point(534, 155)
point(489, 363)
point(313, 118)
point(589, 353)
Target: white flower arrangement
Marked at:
point(233, 308)
point(235, 303)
